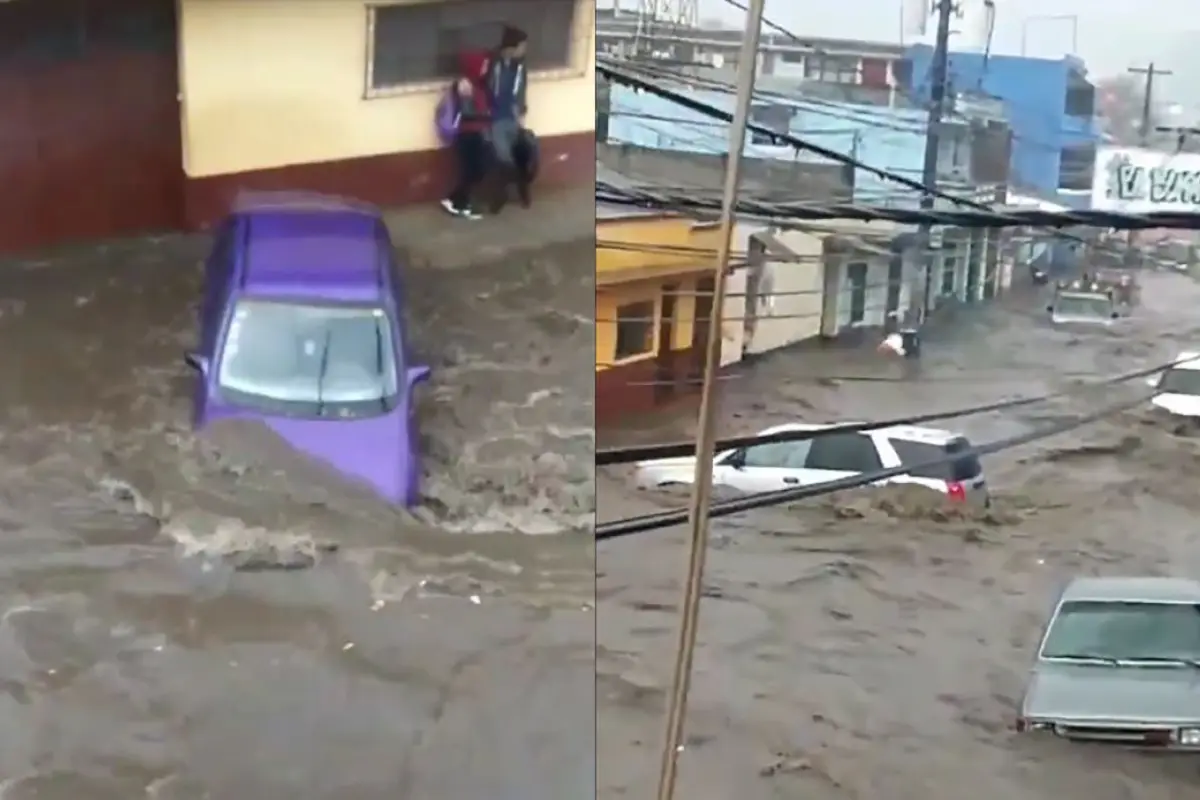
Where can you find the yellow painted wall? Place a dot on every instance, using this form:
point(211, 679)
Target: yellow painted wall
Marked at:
point(610, 298)
point(668, 233)
point(271, 83)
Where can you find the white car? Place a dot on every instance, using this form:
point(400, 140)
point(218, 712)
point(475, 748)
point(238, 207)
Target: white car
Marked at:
point(1177, 389)
point(831, 457)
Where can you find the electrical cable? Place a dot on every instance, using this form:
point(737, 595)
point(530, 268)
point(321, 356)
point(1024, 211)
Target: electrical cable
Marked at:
point(633, 454)
point(981, 214)
point(649, 522)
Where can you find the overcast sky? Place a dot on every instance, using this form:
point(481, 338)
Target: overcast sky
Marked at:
point(1112, 34)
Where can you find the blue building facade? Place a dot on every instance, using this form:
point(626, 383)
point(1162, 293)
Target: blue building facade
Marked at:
point(1050, 106)
point(888, 139)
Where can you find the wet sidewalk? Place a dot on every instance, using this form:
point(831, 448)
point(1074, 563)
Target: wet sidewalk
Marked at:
point(434, 238)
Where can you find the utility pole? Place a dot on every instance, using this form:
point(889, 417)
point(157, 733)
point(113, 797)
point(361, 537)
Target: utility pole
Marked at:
point(920, 295)
point(1151, 72)
point(706, 424)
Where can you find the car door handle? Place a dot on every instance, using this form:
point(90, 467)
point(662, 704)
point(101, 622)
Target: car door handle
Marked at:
point(791, 481)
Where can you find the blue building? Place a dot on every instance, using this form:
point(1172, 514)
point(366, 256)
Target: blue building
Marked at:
point(891, 139)
point(1050, 107)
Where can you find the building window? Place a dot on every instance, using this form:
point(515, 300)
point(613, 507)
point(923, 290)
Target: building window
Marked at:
point(831, 69)
point(419, 43)
point(635, 329)
point(1080, 100)
point(777, 118)
point(875, 73)
point(949, 271)
point(1075, 167)
point(792, 57)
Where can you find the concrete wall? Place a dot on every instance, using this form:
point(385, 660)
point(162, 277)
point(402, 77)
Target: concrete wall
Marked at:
point(886, 138)
point(268, 83)
point(763, 176)
point(785, 287)
point(1034, 92)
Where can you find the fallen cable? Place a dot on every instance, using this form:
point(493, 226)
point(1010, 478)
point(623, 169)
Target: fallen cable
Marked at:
point(649, 522)
point(651, 452)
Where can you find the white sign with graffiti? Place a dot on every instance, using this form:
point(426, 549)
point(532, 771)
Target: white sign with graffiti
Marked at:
point(1137, 181)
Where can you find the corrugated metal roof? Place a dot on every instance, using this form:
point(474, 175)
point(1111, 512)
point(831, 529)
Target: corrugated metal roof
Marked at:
point(612, 210)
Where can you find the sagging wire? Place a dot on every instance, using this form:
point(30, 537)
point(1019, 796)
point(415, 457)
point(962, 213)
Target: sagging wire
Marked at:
point(979, 214)
point(665, 519)
point(634, 454)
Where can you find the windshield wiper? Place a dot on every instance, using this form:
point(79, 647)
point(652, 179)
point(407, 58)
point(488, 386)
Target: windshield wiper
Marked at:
point(321, 368)
point(1194, 663)
point(1092, 657)
point(383, 401)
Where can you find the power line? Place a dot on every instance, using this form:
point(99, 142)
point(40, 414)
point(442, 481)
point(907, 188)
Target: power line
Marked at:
point(665, 519)
point(630, 455)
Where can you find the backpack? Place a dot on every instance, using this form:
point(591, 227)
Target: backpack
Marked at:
point(446, 117)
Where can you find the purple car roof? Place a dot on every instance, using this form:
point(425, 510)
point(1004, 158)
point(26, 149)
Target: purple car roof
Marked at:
point(313, 247)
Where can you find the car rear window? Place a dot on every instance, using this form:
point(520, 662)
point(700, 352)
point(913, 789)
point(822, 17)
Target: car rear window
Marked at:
point(918, 456)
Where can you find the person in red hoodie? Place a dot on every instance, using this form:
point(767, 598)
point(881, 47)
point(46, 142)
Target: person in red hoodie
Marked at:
point(471, 148)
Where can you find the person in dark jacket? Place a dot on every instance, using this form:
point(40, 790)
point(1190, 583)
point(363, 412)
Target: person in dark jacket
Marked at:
point(471, 149)
point(507, 85)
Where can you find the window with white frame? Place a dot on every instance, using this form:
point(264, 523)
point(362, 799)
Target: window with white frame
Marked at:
point(419, 43)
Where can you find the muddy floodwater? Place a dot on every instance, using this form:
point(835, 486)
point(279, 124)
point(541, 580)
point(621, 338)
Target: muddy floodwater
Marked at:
point(873, 645)
point(192, 617)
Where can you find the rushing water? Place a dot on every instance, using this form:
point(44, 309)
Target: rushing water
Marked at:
point(873, 645)
point(212, 616)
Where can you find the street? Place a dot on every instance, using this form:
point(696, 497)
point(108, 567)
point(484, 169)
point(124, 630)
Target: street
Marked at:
point(212, 617)
point(874, 645)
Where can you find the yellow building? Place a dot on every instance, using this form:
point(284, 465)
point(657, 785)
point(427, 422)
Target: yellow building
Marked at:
point(339, 95)
point(164, 109)
point(653, 298)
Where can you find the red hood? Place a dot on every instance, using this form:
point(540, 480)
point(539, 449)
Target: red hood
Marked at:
point(473, 64)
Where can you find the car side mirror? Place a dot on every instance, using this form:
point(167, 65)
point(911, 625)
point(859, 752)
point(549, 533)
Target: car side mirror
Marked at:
point(1116, 315)
point(737, 459)
point(417, 375)
point(1049, 309)
point(196, 362)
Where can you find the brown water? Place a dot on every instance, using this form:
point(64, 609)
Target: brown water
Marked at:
point(193, 617)
point(872, 646)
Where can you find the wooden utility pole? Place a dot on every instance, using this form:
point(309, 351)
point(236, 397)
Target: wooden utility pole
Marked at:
point(706, 434)
point(920, 296)
point(1151, 72)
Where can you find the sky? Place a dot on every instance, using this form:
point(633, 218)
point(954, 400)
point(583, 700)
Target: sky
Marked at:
point(1112, 35)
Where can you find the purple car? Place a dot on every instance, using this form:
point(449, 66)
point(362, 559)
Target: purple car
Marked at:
point(302, 328)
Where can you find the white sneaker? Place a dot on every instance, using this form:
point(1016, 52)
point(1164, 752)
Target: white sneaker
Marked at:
point(467, 213)
point(450, 209)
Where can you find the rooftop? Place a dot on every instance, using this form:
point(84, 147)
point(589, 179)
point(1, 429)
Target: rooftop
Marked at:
point(307, 248)
point(1134, 590)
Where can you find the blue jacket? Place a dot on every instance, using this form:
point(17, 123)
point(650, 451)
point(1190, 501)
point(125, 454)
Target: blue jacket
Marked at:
point(506, 82)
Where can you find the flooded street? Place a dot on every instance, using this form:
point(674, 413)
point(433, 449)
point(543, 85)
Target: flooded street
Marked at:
point(872, 645)
point(191, 617)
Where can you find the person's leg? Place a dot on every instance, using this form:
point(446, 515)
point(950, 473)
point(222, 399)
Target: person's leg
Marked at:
point(475, 156)
point(459, 195)
point(504, 141)
point(470, 150)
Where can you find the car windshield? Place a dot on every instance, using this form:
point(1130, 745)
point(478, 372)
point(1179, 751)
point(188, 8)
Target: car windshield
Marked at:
point(1090, 306)
point(309, 360)
point(1180, 381)
point(1124, 631)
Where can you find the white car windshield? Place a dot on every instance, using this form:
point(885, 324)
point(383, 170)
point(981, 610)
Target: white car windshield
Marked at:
point(1180, 381)
point(1124, 631)
point(1083, 305)
point(309, 359)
